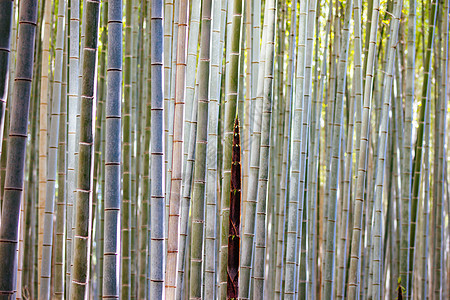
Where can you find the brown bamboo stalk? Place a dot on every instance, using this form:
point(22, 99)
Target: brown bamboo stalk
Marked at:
point(235, 217)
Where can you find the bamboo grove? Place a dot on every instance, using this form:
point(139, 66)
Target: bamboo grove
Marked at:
point(214, 149)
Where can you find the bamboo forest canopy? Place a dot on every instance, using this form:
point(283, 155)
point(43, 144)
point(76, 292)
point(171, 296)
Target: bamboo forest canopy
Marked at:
point(214, 149)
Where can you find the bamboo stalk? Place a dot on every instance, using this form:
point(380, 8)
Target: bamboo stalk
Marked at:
point(6, 23)
point(43, 136)
point(381, 156)
point(157, 212)
point(260, 241)
point(73, 93)
point(52, 161)
point(291, 256)
point(235, 217)
point(211, 158)
point(199, 200)
point(177, 155)
point(232, 75)
point(112, 202)
point(60, 224)
point(9, 230)
point(355, 264)
point(82, 234)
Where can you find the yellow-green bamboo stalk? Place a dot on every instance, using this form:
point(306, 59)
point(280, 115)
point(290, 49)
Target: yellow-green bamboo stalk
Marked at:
point(127, 153)
point(232, 79)
point(144, 238)
point(60, 224)
point(438, 266)
point(198, 204)
point(83, 223)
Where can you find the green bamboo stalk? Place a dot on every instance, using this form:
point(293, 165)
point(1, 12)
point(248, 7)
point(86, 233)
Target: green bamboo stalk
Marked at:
point(255, 58)
point(190, 131)
point(260, 241)
point(73, 92)
point(277, 208)
point(191, 67)
point(303, 212)
point(170, 108)
point(44, 292)
point(335, 161)
point(313, 172)
point(295, 207)
point(417, 163)
point(345, 206)
point(438, 212)
point(168, 28)
point(232, 76)
point(198, 204)
point(157, 212)
point(355, 110)
point(291, 256)
point(14, 179)
point(60, 225)
point(133, 147)
point(286, 146)
point(407, 144)
point(112, 201)
point(250, 205)
point(438, 288)
point(127, 153)
point(381, 156)
point(187, 187)
point(425, 212)
point(144, 240)
point(354, 268)
point(329, 118)
point(177, 155)
point(248, 97)
point(82, 234)
point(210, 281)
